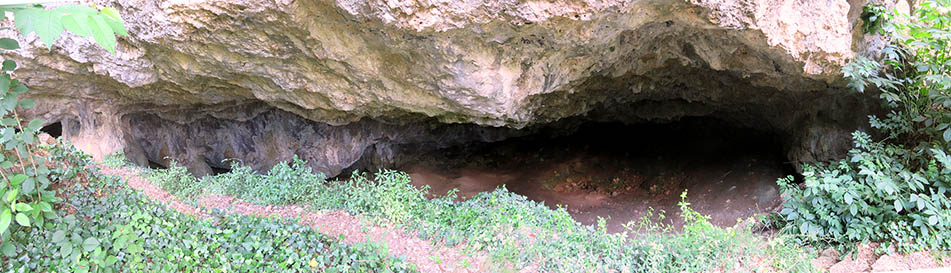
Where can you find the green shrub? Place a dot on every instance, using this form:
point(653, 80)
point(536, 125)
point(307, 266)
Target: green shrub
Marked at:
point(115, 160)
point(873, 197)
point(177, 181)
point(893, 190)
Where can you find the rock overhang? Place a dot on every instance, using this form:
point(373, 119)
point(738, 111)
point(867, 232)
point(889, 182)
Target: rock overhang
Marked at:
point(772, 65)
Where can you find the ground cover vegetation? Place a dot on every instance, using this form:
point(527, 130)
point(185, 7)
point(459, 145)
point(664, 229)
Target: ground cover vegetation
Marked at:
point(893, 187)
point(107, 227)
point(514, 231)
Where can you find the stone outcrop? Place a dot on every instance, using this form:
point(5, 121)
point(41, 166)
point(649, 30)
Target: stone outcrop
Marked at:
point(262, 80)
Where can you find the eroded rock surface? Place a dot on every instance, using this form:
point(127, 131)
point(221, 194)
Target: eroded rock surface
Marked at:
point(262, 80)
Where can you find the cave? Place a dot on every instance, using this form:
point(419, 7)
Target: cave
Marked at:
point(603, 164)
point(619, 171)
point(155, 165)
point(54, 129)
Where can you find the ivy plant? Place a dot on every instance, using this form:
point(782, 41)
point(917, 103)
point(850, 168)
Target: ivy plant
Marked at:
point(27, 195)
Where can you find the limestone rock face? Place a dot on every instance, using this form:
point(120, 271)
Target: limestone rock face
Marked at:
point(337, 81)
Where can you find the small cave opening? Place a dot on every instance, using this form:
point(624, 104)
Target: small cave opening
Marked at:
point(54, 129)
point(216, 170)
point(620, 171)
point(156, 165)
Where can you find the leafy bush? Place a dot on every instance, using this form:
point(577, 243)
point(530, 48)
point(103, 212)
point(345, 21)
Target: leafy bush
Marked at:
point(178, 181)
point(873, 196)
point(115, 160)
point(515, 231)
point(912, 75)
point(893, 190)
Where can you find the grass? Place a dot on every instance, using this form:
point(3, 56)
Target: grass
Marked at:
point(516, 232)
point(114, 228)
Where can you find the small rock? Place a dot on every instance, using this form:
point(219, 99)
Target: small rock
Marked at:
point(46, 138)
point(897, 262)
point(849, 266)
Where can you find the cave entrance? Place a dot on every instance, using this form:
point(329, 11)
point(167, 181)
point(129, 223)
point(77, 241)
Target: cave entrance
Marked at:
point(619, 171)
point(54, 129)
point(156, 166)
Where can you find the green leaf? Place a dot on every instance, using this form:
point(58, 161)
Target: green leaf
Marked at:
point(9, 65)
point(44, 206)
point(121, 242)
point(933, 220)
point(27, 139)
point(78, 24)
point(23, 207)
point(22, 219)
point(25, 19)
point(111, 260)
point(115, 21)
point(5, 84)
point(90, 243)
point(947, 135)
point(103, 34)
point(46, 24)
point(34, 125)
point(6, 134)
point(74, 9)
point(18, 178)
point(898, 206)
point(59, 236)
point(5, 217)
point(19, 88)
point(66, 249)
point(28, 186)
point(8, 249)
point(76, 18)
point(9, 44)
point(27, 103)
point(133, 249)
point(12, 195)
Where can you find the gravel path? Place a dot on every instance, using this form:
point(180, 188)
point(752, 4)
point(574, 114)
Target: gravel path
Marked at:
point(424, 254)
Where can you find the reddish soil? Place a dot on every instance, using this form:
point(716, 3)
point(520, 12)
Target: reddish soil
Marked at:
point(424, 254)
point(621, 175)
point(866, 260)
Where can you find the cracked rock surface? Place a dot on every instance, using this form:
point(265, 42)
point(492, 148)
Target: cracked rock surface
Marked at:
point(349, 81)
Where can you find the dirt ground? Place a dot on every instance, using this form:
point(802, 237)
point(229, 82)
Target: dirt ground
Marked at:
point(621, 174)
